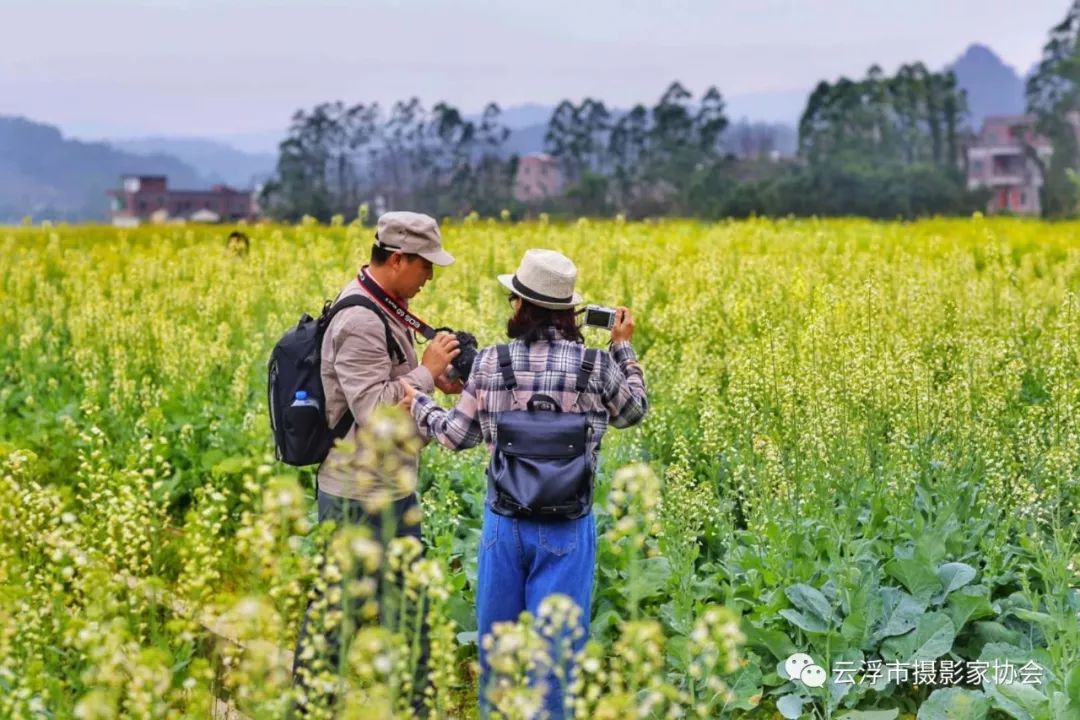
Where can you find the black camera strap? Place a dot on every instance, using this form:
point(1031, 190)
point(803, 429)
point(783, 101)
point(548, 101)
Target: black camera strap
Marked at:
point(392, 306)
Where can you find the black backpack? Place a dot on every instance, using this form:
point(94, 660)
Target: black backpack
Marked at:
point(539, 466)
point(294, 386)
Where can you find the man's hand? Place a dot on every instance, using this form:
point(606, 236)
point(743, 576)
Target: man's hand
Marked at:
point(448, 386)
point(440, 351)
point(623, 329)
point(408, 397)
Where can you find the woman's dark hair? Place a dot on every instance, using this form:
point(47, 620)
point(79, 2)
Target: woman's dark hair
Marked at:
point(530, 322)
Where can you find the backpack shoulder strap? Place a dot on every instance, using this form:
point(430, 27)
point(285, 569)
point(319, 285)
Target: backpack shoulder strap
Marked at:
point(588, 362)
point(365, 302)
point(506, 366)
point(342, 428)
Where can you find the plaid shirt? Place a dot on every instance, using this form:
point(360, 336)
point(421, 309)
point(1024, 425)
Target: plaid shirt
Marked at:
point(615, 394)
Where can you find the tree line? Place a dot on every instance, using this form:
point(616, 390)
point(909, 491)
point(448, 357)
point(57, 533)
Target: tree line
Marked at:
point(1053, 96)
point(336, 157)
point(882, 146)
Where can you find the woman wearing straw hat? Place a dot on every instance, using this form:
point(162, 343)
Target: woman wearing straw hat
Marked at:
point(541, 405)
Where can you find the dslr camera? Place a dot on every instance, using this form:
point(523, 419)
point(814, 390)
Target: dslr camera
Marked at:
point(461, 366)
point(600, 316)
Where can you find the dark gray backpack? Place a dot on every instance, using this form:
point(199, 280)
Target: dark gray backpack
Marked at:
point(540, 467)
point(294, 386)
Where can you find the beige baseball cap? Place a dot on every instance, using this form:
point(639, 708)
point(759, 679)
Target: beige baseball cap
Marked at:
point(414, 233)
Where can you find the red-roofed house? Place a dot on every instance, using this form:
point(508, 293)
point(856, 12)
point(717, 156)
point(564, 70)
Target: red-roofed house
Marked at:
point(143, 196)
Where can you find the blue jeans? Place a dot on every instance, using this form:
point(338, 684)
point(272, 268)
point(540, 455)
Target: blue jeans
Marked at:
point(521, 563)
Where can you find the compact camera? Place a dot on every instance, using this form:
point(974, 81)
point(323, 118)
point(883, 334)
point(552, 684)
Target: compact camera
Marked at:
point(600, 316)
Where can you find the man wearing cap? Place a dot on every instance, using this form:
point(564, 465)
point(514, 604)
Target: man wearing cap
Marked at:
point(365, 358)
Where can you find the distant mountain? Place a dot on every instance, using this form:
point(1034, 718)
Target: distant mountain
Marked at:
point(783, 107)
point(525, 140)
point(48, 176)
point(254, 142)
point(993, 88)
point(215, 161)
point(516, 117)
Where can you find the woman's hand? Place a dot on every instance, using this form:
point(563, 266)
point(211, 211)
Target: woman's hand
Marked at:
point(448, 386)
point(408, 397)
point(623, 329)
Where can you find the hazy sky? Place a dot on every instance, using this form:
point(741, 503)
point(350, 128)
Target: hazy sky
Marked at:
point(240, 67)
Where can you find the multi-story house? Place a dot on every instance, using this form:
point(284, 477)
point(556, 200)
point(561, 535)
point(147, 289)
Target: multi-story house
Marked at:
point(1005, 157)
point(538, 178)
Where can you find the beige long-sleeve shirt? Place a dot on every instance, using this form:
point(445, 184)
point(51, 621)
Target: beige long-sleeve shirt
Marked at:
point(359, 372)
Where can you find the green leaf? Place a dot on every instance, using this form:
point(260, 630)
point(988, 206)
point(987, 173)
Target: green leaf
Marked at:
point(1001, 652)
point(650, 580)
point(991, 631)
point(932, 637)
point(462, 612)
point(955, 575)
point(604, 621)
point(969, 603)
point(678, 653)
point(865, 609)
point(902, 611)
point(745, 686)
point(839, 691)
point(773, 679)
point(211, 457)
point(790, 706)
point(996, 654)
point(1062, 709)
point(775, 641)
point(1023, 702)
point(870, 714)
point(810, 600)
point(954, 704)
point(806, 623)
point(234, 465)
point(916, 575)
point(1039, 618)
point(1072, 686)
point(677, 617)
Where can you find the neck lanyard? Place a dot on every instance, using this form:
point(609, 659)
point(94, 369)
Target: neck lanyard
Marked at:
point(396, 309)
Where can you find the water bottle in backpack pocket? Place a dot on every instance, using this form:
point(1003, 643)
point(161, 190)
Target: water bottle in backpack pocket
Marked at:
point(305, 426)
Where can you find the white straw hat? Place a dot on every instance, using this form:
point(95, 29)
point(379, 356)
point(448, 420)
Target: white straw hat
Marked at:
point(545, 278)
